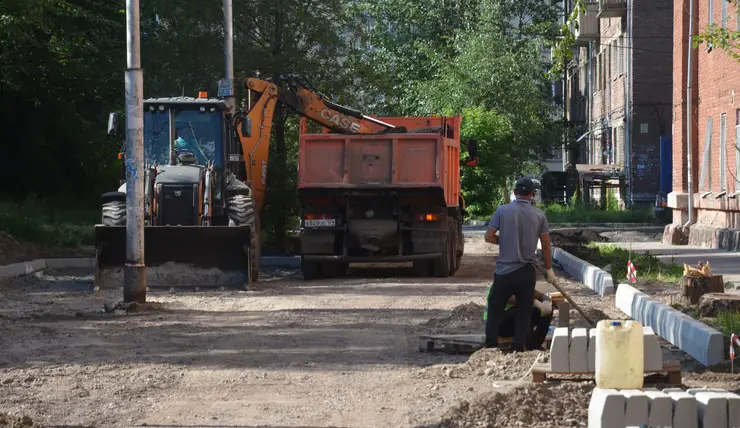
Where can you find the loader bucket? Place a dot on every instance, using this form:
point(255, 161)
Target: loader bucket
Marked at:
point(178, 256)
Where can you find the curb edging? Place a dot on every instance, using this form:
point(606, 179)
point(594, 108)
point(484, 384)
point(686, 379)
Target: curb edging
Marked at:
point(702, 342)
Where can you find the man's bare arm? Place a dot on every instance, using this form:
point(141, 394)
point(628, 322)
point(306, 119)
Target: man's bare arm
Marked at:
point(546, 250)
point(490, 236)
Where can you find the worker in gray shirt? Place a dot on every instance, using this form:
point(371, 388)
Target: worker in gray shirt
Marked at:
point(519, 225)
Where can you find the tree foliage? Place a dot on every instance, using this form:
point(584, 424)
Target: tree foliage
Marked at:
point(722, 37)
point(62, 64)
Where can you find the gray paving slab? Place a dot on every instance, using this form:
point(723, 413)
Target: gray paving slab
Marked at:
point(653, 353)
point(592, 350)
point(578, 351)
point(559, 355)
point(712, 409)
point(606, 409)
point(660, 408)
point(685, 409)
point(636, 411)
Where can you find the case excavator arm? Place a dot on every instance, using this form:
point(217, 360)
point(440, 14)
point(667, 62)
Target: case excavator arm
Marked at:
point(299, 96)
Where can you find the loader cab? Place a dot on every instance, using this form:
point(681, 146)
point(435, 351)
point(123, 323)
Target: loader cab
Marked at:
point(198, 125)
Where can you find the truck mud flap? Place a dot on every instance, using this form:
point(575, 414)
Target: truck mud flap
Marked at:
point(178, 256)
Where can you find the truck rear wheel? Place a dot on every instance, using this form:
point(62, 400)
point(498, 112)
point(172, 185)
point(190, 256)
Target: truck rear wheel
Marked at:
point(445, 267)
point(334, 269)
point(243, 212)
point(310, 269)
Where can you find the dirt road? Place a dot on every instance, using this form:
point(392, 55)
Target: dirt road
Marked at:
point(314, 354)
point(323, 353)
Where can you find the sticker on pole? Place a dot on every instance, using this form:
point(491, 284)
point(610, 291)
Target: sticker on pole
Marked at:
point(225, 88)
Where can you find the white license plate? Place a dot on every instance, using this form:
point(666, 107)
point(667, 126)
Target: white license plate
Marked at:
point(324, 222)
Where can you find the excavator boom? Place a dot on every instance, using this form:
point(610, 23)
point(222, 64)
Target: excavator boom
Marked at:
point(297, 94)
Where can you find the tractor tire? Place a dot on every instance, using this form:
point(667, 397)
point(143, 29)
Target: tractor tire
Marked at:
point(114, 213)
point(243, 212)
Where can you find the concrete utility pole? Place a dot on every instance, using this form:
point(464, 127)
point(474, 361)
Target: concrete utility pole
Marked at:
point(229, 55)
point(134, 273)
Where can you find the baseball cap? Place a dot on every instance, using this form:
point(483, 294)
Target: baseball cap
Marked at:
point(524, 186)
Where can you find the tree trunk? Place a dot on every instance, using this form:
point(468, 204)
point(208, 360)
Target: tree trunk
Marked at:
point(713, 304)
point(693, 287)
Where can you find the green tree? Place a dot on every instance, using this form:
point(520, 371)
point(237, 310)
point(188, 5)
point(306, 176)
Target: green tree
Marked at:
point(722, 37)
point(497, 82)
point(59, 76)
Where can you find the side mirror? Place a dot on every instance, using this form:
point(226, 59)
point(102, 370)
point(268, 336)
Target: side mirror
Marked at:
point(246, 126)
point(112, 124)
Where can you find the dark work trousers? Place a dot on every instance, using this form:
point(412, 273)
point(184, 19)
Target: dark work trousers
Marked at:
point(538, 327)
point(520, 284)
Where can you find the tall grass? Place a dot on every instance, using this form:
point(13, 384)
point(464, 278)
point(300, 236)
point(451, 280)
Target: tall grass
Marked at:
point(648, 266)
point(578, 213)
point(41, 222)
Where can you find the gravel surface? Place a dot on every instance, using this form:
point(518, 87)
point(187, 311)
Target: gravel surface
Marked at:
point(340, 352)
point(534, 405)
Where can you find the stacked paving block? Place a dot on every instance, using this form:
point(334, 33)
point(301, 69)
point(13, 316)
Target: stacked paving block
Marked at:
point(576, 352)
point(671, 407)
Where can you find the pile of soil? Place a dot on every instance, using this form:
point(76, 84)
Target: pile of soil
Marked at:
point(533, 405)
point(489, 363)
point(468, 317)
point(8, 421)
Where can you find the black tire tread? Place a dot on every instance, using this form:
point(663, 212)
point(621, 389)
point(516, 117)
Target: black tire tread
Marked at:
point(243, 212)
point(114, 213)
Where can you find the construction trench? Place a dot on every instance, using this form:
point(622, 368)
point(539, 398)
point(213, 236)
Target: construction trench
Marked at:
point(339, 352)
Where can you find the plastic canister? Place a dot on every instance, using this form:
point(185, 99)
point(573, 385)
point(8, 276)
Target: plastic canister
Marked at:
point(620, 358)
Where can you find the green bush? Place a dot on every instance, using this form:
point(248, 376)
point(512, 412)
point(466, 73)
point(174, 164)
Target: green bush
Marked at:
point(577, 213)
point(39, 222)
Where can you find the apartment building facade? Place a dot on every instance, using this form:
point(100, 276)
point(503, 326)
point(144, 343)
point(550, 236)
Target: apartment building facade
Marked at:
point(712, 139)
point(618, 93)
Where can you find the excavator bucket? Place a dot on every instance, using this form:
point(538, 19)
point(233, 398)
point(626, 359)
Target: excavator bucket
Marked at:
point(178, 256)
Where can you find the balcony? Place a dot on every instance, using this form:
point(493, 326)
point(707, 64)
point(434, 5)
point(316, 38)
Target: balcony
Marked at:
point(612, 8)
point(588, 25)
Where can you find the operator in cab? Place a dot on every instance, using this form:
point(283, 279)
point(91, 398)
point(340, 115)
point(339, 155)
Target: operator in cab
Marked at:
point(183, 145)
point(519, 225)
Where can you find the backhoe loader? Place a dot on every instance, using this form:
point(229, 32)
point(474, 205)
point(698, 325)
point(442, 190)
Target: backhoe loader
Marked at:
point(206, 178)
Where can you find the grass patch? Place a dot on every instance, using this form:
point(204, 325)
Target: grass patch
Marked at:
point(726, 321)
point(648, 266)
point(557, 213)
point(42, 223)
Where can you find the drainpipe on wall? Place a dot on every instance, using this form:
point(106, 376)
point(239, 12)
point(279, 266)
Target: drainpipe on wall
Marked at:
point(590, 95)
point(689, 145)
point(628, 104)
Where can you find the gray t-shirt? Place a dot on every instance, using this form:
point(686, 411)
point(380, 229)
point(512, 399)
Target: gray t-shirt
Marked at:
point(520, 225)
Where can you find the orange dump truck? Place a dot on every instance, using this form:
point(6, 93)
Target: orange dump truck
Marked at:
point(382, 198)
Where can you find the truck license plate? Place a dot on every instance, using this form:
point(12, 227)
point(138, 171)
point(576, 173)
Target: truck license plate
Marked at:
point(324, 222)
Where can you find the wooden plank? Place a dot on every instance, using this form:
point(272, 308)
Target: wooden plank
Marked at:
point(541, 371)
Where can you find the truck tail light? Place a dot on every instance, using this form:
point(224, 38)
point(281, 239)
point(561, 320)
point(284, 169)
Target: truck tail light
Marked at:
point(317, 217)
point(428, 217)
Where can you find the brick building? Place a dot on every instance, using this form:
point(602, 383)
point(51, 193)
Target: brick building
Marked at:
point(714, 132)
point(618, 91)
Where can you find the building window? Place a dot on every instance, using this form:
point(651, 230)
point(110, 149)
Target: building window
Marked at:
point(711, 12)
point(705, 178)
point(723, 152)
point(724, 13)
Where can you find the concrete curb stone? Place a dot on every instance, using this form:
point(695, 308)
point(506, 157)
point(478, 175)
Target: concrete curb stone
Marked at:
point(594, 278)
point(697, 339)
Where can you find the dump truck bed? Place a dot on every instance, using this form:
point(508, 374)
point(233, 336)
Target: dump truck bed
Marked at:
point(421, 159)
